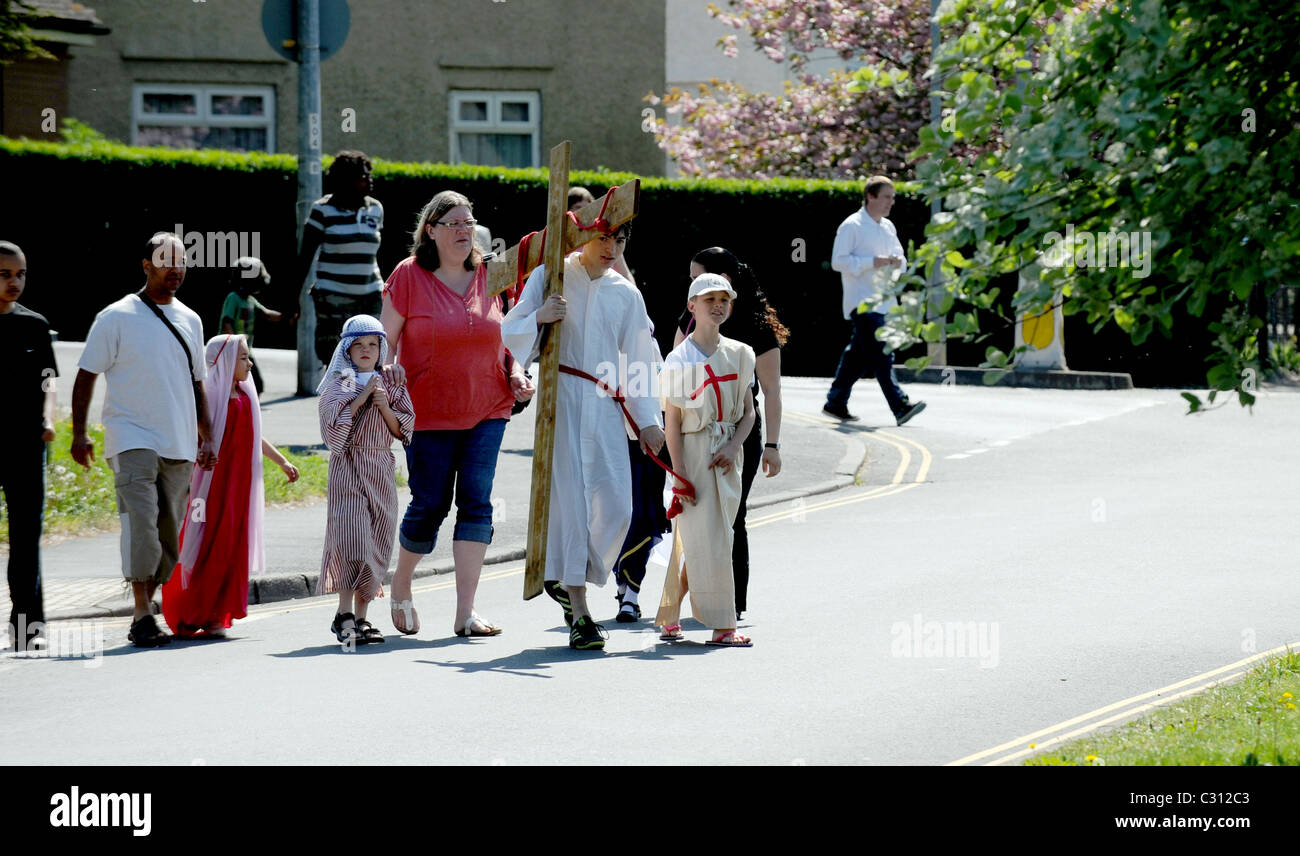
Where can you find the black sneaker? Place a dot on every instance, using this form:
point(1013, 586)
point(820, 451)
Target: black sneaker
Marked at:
point(909, 410)
point(145, 634)
point(559, 595)
point(587, 635)
point(839, 411)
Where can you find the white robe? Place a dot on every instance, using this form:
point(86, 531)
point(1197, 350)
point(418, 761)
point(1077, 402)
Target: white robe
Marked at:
point(591, 484)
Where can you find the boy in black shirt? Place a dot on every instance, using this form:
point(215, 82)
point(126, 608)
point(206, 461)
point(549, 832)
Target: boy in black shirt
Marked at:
point(28, 357)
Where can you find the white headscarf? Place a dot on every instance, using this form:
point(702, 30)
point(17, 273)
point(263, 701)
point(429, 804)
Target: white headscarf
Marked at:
point(341, 364)
point(222, 352)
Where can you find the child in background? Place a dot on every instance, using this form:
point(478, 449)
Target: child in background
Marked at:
point(709, 410)
point(221, 541)
point(239, 312)
point(362, 408)
point(28, 358)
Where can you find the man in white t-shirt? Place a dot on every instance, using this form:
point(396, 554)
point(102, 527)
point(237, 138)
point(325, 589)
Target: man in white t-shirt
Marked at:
point(866, 252)
point(155, 422)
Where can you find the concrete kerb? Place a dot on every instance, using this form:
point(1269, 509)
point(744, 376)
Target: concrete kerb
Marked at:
point(1047, 379)
point(273, 588)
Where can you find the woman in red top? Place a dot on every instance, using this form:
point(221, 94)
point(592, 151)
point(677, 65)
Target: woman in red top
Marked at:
point(447, 332)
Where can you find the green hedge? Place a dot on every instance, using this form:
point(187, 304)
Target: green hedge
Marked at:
point(81, 212)
point(87, 209)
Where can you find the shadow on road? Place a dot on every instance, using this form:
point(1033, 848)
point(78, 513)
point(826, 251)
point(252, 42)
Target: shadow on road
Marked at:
point(529, 662)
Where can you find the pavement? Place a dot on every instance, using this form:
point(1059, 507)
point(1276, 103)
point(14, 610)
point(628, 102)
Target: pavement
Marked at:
point(82, 575)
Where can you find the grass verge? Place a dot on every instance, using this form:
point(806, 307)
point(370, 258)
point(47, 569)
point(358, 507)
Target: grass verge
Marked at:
point(1250, 722)
point(83, 502)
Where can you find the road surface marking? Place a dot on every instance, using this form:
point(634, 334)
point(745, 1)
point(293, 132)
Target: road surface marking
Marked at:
point(1125, 707)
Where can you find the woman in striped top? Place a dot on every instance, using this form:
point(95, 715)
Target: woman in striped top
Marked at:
point(345, 227)
point(362, 408)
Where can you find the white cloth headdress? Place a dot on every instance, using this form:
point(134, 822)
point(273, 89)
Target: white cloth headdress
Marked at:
point(341, 364)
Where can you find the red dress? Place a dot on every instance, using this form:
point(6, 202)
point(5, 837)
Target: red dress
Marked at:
point(218, 589)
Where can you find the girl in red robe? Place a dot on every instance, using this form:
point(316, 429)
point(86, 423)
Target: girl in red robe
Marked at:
point(221, 540)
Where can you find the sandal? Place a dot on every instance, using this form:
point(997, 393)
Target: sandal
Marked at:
point(410, 624)
point(344, 627)
point(470, 630)
point(731, 639)
point(368, 633)
point(628, 612)
point(671, 633)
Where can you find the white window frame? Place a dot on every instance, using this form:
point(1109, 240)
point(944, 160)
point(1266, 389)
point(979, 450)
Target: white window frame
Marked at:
point(203, 116)
point(495, 124)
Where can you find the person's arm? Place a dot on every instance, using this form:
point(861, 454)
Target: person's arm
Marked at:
point(280, 460)
point(519, 329)
point(207, 459)
point(898, 249)
point(673, 439)
point(271, 314)
point(312, 236)
point(380, 395)
point(394, 323)
point(337, 414)
point(726, 456)
point(843, 258)
point(83, 389)
point(47, 411)
point(768, 368)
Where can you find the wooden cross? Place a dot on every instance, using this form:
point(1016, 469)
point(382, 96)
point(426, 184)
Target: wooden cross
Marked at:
point(616, 207)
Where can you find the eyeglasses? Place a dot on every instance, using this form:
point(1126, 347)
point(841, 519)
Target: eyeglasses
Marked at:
point(458, 224)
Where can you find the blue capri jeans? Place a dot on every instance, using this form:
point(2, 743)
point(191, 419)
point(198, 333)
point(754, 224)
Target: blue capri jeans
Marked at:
point(444, 464)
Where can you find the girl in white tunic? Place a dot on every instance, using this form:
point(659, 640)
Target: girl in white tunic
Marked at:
point(709, 410)
point(603, 326)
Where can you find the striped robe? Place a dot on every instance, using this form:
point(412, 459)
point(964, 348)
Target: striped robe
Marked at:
point(362, 488)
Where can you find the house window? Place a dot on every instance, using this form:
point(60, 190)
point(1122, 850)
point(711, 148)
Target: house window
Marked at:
point(496, 128)
point(238, 118)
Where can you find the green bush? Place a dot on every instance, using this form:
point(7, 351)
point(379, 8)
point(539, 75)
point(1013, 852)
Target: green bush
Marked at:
point(110, 197)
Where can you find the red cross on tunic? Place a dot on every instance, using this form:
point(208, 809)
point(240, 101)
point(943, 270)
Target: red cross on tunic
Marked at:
point(716, 382)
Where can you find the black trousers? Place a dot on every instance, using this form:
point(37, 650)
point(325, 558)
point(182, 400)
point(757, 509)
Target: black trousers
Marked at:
point(862, 355)
point(753, 452)
point(22, 475)
point(649, 518)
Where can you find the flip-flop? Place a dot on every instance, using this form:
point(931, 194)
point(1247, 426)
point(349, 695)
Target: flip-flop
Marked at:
point(671, 633)
point(468, 630)
point(410, 618)
point(732, 640)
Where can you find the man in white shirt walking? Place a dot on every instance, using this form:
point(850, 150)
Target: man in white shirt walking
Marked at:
point(866, 253)
point(149, 347)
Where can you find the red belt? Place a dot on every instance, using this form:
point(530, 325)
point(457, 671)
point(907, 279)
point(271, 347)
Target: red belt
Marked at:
point(617, 395)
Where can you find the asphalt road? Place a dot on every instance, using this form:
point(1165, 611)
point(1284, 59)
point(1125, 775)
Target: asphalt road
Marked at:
point(1013, 559)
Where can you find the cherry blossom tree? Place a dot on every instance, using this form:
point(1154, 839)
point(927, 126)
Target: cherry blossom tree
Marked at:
point(845, 124)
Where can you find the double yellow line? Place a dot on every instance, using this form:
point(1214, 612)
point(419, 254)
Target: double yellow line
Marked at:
point(1055, 735)
point(897, 484)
